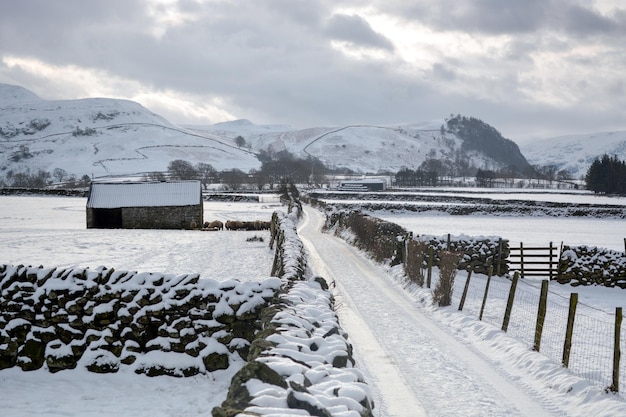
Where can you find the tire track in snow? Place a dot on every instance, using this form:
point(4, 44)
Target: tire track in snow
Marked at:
point(390, 391)
point(401, 346)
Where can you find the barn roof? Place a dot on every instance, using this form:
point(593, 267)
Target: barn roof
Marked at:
point(144, 194)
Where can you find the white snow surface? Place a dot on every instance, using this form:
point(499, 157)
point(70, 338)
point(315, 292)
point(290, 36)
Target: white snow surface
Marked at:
point(417, 359)
point(422, 360)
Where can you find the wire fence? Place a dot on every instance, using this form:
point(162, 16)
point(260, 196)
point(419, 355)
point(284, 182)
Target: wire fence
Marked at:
point(593, 337)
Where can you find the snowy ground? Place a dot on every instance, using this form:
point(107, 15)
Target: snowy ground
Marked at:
point(50, 231)
point(422, 360)
point(530, 230)
point(419, 360)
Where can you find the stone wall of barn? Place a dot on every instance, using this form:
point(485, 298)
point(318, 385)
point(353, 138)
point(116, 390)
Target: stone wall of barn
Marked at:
point(169, 217)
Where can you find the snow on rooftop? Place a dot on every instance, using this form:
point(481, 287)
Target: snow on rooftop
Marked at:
point(140, 194)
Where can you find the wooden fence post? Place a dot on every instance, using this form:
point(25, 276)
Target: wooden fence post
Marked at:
point(431, 254)
point(467, 282)
point(406, 248)
point(448, 244)
point(499, 263)
point(616, 349)
point(558, 265)
point(567, 346)
point(521, 257)
point(541, 314)
point(509, 304)
point(551, 261)
point(482, 307)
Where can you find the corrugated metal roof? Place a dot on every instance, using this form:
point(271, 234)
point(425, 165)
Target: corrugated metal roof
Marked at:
point(144, 194)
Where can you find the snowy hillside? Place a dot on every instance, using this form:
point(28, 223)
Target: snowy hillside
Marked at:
point(108, 137)
point(361, 148)
point(575, 153)
point(99, 137)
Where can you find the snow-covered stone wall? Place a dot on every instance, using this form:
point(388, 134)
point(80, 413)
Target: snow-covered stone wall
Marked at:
point(298, 360)
point(301, 365)
point(479, 253)
point(589, 265)
point(102, 319)
point(385, 241)
point(301, 361)
point(289, 258)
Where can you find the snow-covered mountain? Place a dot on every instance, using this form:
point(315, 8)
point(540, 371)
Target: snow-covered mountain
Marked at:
point(361, 148)
point(100, 137)
point(575, 153)
point(107, 137)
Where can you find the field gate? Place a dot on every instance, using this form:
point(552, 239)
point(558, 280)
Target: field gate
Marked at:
point(535, 261)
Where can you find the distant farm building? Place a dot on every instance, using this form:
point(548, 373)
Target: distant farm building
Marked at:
point(373, 184)
point(145, 205)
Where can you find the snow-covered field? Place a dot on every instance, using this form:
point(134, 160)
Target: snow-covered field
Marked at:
point(51, 231)
point(530, 230)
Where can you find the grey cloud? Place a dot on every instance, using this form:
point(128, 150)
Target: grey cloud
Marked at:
point(582, 21)
point(355, 29)
point(272, 61)
point(512, 16)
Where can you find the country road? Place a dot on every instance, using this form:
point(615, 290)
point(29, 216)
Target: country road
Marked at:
point(414, 367)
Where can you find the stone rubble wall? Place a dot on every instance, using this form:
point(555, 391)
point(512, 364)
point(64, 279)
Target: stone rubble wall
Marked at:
point(589, 265)
point(102, 319)
point(385, 241)
point(301, 361)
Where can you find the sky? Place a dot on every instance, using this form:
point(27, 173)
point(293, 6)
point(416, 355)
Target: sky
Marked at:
point(531, 69)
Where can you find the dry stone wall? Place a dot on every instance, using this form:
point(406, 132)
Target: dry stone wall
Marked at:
point(102, 319)
point(590, 265)
point(301, 362)
point(385, 241)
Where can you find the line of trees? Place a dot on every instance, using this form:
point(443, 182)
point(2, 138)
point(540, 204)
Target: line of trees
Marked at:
point(281, 168)
point(415, 178)
point(42, 178)
point(607, 175)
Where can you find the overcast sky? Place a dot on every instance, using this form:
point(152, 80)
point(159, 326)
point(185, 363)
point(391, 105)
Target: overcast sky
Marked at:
point(530, 68)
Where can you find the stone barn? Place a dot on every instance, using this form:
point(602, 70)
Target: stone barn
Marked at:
point(145, 205)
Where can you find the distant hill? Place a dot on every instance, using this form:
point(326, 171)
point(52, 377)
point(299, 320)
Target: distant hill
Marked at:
point(369, 148)
point(575, 153)
point(100, 137)
point(109, 137)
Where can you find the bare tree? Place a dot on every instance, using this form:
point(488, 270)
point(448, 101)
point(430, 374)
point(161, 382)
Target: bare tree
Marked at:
point(206, 173)
point(59, 174)
point(182, 170)
point(234, 178)
point(448, 264)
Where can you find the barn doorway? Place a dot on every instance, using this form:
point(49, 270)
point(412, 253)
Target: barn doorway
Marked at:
point(107, 218)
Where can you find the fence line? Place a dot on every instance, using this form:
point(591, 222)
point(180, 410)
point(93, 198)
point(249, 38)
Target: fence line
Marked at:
point(592, 351)
point(593, 331)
